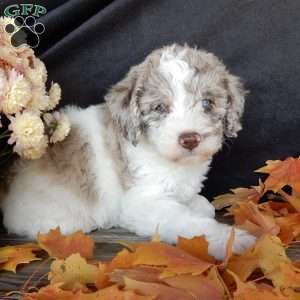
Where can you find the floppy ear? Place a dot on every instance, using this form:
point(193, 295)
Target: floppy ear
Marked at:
point(235, 105)
point(123, 103)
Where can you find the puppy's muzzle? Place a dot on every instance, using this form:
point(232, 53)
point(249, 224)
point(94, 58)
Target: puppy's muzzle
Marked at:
point(189, 140)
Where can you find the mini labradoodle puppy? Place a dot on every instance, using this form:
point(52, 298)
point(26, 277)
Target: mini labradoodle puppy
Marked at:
point(140, 159)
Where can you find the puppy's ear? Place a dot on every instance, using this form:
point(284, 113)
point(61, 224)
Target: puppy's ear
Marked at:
point(123, 103)
point(235, 105)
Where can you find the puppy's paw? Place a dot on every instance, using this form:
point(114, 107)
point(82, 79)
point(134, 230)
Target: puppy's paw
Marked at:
point(202, 207)
point(217, 243)
point(243, 240)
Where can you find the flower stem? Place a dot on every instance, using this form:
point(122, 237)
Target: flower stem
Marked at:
point(3, 136)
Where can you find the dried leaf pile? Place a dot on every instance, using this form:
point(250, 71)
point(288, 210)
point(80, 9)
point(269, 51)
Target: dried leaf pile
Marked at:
point(272, 207)
point(156, 270)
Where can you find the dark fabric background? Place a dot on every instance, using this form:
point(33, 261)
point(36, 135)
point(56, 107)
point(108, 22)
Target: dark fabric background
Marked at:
point(90, 44)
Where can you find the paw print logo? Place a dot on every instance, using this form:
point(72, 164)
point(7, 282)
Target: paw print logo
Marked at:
point(25, 31)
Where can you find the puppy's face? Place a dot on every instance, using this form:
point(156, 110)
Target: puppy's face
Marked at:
point(181, 101)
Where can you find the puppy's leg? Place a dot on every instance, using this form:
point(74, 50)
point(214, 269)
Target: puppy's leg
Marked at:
point(142, 214)
point(202, 207)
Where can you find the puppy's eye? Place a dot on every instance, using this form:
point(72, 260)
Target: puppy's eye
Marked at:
point(160, 108)
point(207, 104)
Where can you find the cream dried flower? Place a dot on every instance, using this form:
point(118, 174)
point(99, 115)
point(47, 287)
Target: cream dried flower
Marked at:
point(33, 152)
point(35, 70)
point(17, 93)
point(58, 126)
point(27, 130)
point(39, 100)
point(54, 96)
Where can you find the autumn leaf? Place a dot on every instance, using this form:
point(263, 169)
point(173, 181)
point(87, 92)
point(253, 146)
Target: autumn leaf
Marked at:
point(123, 260)
point(157, 290)
point(293, 199)
point(102, 279)
point(248, 211)
point(174, 259)
point(245, 264)
point(237, 195)
point(73, 272)
point(60, 246)
point(143, 273)
point(51, 292)
point(113, 293)
point(197, 246)
point(282, 208)
point(269, 255)
point(249, 290)
point(12, 256)
point(282, 173)
point(214, 275)
point(199, 286)
point(289, 227)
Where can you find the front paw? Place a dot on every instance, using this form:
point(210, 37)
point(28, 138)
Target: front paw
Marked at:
point(217, 243)
point(202, 207)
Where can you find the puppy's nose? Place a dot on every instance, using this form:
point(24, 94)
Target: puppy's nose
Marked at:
point(189, 140)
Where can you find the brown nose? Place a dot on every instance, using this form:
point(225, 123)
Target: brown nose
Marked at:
point(189, 140)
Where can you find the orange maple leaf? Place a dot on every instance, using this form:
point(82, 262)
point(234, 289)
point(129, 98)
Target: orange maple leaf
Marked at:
point(12, 256)
point(282, 173)
point(175, 260)
point(197, 246)
point(60, 246)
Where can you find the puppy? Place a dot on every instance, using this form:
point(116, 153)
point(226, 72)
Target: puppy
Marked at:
point(139, 160)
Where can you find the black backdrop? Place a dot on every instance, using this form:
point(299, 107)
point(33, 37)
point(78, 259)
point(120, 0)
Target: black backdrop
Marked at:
point(90, 44)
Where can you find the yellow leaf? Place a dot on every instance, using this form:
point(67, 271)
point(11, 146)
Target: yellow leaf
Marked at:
point(73, 272)
point(12, 256)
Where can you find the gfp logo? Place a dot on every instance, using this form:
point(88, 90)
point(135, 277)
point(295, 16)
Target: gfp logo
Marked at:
point(15, 10)
point(24, 28)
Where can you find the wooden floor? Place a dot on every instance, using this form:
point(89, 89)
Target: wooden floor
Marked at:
point(106, 247)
